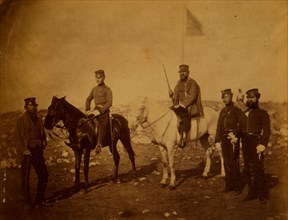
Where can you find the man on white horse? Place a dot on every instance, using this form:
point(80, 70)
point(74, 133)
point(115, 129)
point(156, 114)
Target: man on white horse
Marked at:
point(186, 102)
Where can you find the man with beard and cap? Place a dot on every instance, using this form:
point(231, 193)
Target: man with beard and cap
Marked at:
point(32, 140)
point(186, 102)
point(102, 96)
point(227, 133)
point(255, 129)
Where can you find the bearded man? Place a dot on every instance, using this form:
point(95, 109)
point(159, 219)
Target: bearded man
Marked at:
point(255, 129)
point(186, 102)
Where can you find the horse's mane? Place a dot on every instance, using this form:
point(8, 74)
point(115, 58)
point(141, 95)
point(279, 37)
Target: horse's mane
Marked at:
point(73, 110)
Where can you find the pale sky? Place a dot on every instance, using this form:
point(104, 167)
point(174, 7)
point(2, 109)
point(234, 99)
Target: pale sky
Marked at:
point(53, 48)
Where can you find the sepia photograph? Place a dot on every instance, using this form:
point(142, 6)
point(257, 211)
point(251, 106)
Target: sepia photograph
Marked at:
point(143, 109)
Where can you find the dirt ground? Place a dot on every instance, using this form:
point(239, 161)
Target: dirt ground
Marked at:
point(193, 198)
point(142, 197)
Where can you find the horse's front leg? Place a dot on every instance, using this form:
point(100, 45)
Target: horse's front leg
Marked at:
point(222, 163)
point(116, 158)
point(171, 155)
point(164, 161)
point(86, 168)
point(78, 155)
point(208, 159)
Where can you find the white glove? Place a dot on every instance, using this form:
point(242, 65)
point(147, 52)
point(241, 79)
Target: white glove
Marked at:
point(96, 112)
point(218, 146)
point(182, 105)
point(177, 106)
point(171, 93)
point(233, 138)
point(89, 113)
point(27, 152)
point(260, 148)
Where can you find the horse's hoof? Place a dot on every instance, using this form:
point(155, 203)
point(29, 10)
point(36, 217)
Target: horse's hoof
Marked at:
point(170, 187)
point(76, 186)
point(83, 191)
point(162, 185)
point(115, 180)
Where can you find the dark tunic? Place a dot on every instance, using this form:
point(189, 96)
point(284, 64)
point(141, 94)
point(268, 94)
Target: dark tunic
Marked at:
point(229, 121)
point(255, 130)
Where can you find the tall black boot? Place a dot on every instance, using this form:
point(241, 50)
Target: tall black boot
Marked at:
point(40, 194)
point(183, 140)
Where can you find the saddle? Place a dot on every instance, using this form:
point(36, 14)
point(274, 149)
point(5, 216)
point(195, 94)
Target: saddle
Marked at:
point(184, 123)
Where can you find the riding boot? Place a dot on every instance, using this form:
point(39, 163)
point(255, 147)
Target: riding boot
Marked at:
point(41, 188)
point(98, 149)
point(98, 131)
point(183, 139)
point(251, 189)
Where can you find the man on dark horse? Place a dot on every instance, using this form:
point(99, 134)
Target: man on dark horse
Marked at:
point(102, 96)
point(186, 102)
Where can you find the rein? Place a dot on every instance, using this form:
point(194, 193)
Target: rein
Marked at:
point(64, 127)
point(149, 124)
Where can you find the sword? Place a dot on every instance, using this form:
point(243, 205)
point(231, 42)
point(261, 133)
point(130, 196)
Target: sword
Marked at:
point(166, 77)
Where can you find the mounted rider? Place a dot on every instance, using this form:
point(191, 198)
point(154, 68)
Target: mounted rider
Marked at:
point(102, 96)
point(186, 102)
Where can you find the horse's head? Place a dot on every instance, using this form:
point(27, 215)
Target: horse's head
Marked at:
point(55, 112)
point(139, 116)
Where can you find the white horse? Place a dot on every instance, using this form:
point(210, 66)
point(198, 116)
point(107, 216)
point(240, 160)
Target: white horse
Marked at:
point(163, 123)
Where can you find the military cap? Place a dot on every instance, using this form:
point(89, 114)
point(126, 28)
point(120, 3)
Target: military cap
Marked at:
point(30, 101)
point(226, 92)
point(100, 72)
point(252, 93)
point(183, 68)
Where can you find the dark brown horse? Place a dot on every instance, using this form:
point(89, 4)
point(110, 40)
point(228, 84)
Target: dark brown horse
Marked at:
point(83, 135)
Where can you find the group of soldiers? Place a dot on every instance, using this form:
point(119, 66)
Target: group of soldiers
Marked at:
point(251, 126)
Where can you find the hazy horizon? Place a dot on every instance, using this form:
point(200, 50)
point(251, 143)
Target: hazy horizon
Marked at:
point(53, 48)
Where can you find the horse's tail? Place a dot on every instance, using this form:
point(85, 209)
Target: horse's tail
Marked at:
point(121, 128)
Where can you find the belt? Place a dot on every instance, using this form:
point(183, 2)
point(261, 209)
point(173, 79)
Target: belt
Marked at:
point(229, 130)
point(252, 134)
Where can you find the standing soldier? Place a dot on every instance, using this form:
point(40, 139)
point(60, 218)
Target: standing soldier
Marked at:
point(227, 133)
point(32, 140)
point(102, 96)
point(187, 102)
point(255, 126)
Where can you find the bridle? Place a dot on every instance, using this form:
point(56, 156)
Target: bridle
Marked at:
point(142, 118)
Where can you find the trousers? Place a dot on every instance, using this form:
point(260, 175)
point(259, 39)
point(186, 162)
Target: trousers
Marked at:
point(36, 159)
point(103, 121)
point(231, 163)
point(253, 167)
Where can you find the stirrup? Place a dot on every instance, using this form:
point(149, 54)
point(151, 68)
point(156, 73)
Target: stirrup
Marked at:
point(98, 149)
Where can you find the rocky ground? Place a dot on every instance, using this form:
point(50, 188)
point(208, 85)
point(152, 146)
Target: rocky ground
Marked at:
point(142, 198)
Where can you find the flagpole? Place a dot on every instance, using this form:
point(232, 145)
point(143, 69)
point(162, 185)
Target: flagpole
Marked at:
point(183, 33)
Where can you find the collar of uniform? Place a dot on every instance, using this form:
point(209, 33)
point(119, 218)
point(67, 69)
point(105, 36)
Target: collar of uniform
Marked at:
point(230, 105)
point(100, 85)
point(184, 82)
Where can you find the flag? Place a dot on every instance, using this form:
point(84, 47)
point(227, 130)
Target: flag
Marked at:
point(193, 26)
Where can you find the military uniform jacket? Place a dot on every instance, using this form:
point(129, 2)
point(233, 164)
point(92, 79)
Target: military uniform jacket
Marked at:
point(102, 96)
point(188, 93)
point(29, 134)
point(256, 122)
point(228, 121)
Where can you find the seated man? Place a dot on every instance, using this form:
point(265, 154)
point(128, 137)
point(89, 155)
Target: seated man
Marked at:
point(102, 96)
point(186, 102)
